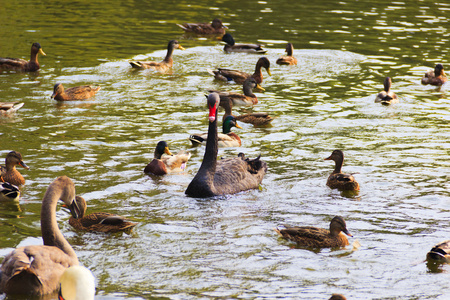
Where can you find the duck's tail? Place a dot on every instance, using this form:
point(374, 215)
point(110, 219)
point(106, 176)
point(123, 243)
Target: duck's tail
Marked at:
point(196, 140)
point(136, 64)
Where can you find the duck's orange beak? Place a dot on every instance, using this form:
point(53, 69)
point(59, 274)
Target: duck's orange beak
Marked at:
point(42, 52)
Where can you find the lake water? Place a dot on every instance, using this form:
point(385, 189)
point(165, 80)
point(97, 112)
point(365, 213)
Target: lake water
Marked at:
point(225, 248)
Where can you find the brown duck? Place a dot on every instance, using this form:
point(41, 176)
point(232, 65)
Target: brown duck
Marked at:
point(74, 93)
point(99, 221)
point(9, 173)
point(239, 77)
point(159, 66)
point(289, 59)
point(18, 64)
point(387, 96)
point(257, 119)
point(161, 165)
point(248, 98)
point(337, 179)
point(8, 108)
point(36, 270)
point(317, 237)
point(215, 27)
point(225, 176)
point(231, 46)
point(436, 76)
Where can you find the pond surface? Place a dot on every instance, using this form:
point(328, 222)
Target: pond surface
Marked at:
point(223, 248)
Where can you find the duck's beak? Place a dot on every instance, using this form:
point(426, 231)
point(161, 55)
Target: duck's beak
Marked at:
point(260, 88)
point(42, 52)
point(347, 232)
point(237, 126)
point(22, 164)
point(268, 71)
point(181, 47)
point(74, 209)
point(328, 158)
point(167, 151)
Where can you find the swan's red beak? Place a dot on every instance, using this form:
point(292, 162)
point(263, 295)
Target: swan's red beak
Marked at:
point(212, 113)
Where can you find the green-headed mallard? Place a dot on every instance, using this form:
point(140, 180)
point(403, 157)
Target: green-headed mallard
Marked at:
point(248, 98)
point(18, 64)
point(8, 108)
point(387, 96)
point(337, 179)
point(215, 27)
point(159, 66)
point(238, 76)
point(9, 173)
point(161, 165)
point(257, 119)
point(288, 59)
point(77, 283)
point(225, 139)
point(246, 48)
point(74, 93)
point(314, 237)
point(9, 191)
point(436, 76)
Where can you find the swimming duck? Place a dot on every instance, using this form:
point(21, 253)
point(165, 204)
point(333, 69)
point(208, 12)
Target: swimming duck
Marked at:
point(288, 59)
point(238, 76)
point(440, 252)
point(18, 64)
point(317, 237)
point(77, 283)
point(9, 191)
point(337, 179)
point(8, 108)
point(436, 77)
point(74, 93)
point(99, 221)
point(387, 96)
point(36, 270)
point(161, 165)
point(215, 27)
point(225, 176)
point(225, 139)
point(248, 98)
point(337, 297)
point(257, 119)
point(247, 48)
point(159, 66)
point(9, 173)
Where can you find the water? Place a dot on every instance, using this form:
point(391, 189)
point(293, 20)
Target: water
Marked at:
point(187, 248)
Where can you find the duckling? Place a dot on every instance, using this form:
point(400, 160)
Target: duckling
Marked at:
point(238, 76)
point(215, 27)
point(317, 237)
point(337, 179)
point(159, 66)
point(436, 77)
point(288, 59)
point(77, 283)
point(387, 96)
point(440, 252)
point(8, 108)
point(257, 119)
point(74, 93)
point(9, 173)
point(225, 139)
point(9, 191)
point(18, 64)
point(100, 221)
point(246, 48)
point(163, 165)
point(248, 98)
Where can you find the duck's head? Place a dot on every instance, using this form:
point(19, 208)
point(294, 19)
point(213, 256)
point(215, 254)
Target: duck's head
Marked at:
point(161, 148)
point(217, 23)
point(80, 206)
point(337, 225)
point(227, 38)
point(387, 84)
point(289, 49)
point(173, 44)
point(36, 48)
point(264, 61)
point(228, 123)
point(439, 70)
point(336, 155)
point(77, 282)
point(213, 106)
point(57, 89)
point(250, 83)
point(15, 158)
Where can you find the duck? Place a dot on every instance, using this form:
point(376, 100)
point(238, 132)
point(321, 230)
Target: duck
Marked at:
point(337, 297)
point(215, 27)
point(74, 93)
point(9, 173)
point(161, 165)
point(100, 221)
point(440, 252)
point(18, 64)
point(36, 270)
point(246, 48)
point(257, 119)
point(247, 99)
point(77, 283)
point(225, 139)
point(9, 191)
point(288, 59)
point(225, 176)
point(159, 66)
point(239, 76)
point(8, 108)
point(314, 237)
point(436, 76)
point(337, 179)
point(387, 96)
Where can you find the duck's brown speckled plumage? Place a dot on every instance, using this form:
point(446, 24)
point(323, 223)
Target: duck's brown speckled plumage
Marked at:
point(436, 76)
point(337, 179)
point(247, 99)
point(257, 119)
point(18, 64)
point(239, 76)
point(225, 176)
point(289, 59)
point(215, 27)
point(231, 46)
point(74, 93)
point(440, 252)
point(8, 108)
point(9, 173)
point(314, 237)
point(161, 165)
point(387, 96)
point(159, 66)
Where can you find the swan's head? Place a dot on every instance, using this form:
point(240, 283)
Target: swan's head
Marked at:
point(213, 105)
point(67, 187)
point(77, 283)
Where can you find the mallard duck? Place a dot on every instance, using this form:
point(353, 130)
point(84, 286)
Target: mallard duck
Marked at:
point(161, 165)
point(337, 179)
point(18, 64)
point(74, 93)
point(257, 119)
point(8, 108)
point(337, 297)
point(436, 76)
point(387, 96)
point(225, 176)
point(99, 221)
point(440, 252)
point(9, 191)
point(9, 173)
point(248, 98)
point(225, 139)
point(247, 48)
point(36, 270)
point(288, 59)
point(317, 237)
point(77, 283)
point(238, 76)
point(159, 66)
point(215, 27)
